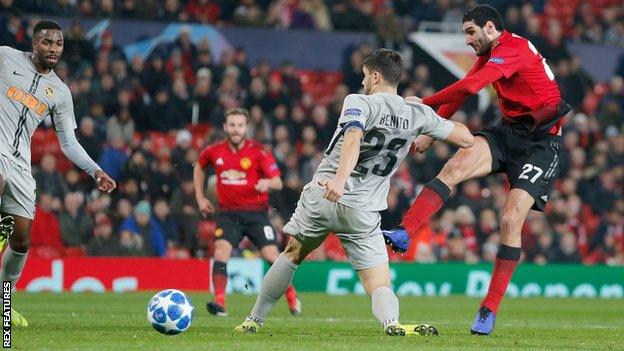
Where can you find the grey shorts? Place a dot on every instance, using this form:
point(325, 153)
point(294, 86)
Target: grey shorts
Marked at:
point(359, 231)
point(18, 197)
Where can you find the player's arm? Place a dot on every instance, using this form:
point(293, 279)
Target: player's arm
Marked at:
point(349, 154)
point(269, 184)
point(64, 123)
point(460, 135)
point(355, 112)
point(199, 181)
point(271, 180)
point(448, 110)
point(464, 87)
point(443, 129)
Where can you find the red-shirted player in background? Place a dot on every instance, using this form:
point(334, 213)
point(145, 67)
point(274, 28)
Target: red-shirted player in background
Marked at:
point(246, 172)
point(525, 145)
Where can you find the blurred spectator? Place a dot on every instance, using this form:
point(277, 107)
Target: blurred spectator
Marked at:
point(184, 208)
point(120, 126)
point(248, 13)
point(49, 179)
point(76, 48)
point(45, 232)
point(76, 225)
point(566, 252)
point(204, 11)
point(113, 158)
point(162, 113)
point(104, 241)
point(165, 220)
point(143, 225)
point(88, 138)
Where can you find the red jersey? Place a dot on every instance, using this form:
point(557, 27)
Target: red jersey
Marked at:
point(523, 81)
point(238, 173)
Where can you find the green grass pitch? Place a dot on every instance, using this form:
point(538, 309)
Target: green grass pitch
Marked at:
point(118, 322)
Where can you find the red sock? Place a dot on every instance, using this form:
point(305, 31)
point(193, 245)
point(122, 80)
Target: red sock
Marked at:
point(503, 271)
point(291, 295)
point(219, 281)
point(428, 202)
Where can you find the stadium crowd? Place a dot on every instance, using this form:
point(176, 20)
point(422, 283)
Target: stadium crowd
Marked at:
point(146, 120)
point(597, 21)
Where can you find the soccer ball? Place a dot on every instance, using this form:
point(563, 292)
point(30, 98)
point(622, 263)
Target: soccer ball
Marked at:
point(170, 312)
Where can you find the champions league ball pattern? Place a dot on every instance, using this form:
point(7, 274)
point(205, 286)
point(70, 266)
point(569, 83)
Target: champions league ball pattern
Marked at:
point(170, 312)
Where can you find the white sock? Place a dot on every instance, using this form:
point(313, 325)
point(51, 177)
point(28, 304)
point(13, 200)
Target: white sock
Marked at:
point(274, 285)
point(12, 265)
point(385, 306)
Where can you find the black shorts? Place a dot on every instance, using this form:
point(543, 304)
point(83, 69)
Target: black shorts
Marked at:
point(531, 165)
point(233, 225)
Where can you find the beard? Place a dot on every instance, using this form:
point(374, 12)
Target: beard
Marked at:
point(235, 140)
point(484, 46)
point(47, 64)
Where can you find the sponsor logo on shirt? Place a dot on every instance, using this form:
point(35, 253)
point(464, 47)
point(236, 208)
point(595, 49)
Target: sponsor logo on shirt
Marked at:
point(245, 162)
point(497, 60)
point(353, 112)
point(219, 162)
point(28, 100)
point(233, 177)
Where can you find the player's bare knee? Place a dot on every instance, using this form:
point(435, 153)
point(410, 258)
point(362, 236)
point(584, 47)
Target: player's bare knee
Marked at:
point(223, 250)
point(19, 244)
point(511, 221)
point(269, 253)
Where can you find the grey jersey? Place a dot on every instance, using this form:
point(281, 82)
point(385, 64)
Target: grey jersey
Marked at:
point(390, 125)
point(26, 98)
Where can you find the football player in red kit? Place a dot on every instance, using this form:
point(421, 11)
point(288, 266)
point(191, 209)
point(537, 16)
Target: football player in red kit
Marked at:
point(245, 172)
point(525, 145)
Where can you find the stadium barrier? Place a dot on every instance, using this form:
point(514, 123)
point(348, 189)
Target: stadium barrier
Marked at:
point(131, 274)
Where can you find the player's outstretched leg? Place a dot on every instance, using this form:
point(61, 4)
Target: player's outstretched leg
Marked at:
point(427, 203)
point(516, 208)
point(468, 163)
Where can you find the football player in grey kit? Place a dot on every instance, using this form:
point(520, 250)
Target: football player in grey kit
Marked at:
point(350, 186)
point(29, 92)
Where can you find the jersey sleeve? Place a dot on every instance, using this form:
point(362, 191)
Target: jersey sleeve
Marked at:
point(435, 126)
point(63, 116)
point(4, 52)
point(205, 157)
point(355, 112)
point(448, 110)
point(507, 59)
point(268, 166)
